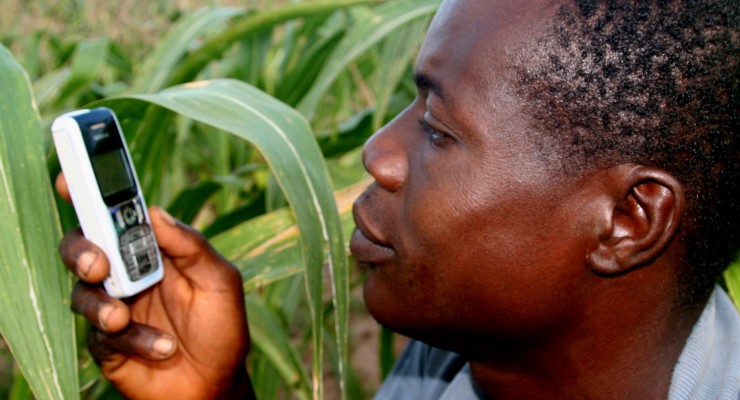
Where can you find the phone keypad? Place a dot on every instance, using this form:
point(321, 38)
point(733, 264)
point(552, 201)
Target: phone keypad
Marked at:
point(135, 239)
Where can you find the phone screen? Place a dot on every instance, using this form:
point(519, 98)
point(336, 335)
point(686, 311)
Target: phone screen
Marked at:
point(112, 172)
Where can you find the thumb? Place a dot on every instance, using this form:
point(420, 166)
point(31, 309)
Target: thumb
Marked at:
point(187, 250)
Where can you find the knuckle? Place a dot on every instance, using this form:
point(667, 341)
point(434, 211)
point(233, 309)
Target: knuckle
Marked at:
point(233, 274)
point(82, 301)
point(67, 242)
point(98, 344)
point(138, 340)
point(199, 241)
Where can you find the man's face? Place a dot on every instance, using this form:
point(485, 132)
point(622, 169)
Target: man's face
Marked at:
point(467, 231)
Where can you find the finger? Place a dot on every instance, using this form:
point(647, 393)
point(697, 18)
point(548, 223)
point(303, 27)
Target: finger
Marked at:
point(103, 311)
point(86, 260)
point(62, 188)
point(136, 340)
point(186, 247)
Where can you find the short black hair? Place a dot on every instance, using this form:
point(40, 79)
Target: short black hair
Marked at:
point(656, 83)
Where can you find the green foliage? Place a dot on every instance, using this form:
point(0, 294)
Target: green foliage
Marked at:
point(372, 27)
point(224, 156)
point(34, 308)
point(732, 279)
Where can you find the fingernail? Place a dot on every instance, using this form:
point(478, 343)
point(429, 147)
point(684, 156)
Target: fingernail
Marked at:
point(85, 262)
point(163, 345)
point(103, 313)
point(167, 217)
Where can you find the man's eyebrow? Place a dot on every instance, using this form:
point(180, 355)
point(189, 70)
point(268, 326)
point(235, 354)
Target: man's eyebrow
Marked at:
point(426, 83)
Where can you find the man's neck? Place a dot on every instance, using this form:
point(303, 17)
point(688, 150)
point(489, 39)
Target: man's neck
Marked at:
point(622, 354)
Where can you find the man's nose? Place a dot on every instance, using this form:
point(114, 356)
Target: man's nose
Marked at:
point(384, 156)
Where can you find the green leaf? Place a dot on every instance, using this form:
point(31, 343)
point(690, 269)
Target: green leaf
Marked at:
point(272, 339)
point(265, 249)
point(20, 389)
point(89, 57)
point(152, 154)
point(305, 65)
point(87, 62)
point(35, 318)
point(732, 279)
point(250, 24)
point(48, 87)
point(367, 31)
point(189, 201)
point(285, 140)
point(163, 59)
point(395, 58)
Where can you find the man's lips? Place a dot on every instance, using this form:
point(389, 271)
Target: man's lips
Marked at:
point(366, 245)
point(368, 252)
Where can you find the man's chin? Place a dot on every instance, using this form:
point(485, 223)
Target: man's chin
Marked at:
point(383, 303)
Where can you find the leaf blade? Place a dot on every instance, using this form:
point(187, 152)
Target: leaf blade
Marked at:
point(732, 279)
point(160, 62)
point(256, 22)
point(369, 30)
point(35, 318)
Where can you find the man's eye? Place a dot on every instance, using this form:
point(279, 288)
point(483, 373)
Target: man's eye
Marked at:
point(436, 137)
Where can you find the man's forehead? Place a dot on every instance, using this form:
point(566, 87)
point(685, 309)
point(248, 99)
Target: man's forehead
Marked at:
point(469, 43)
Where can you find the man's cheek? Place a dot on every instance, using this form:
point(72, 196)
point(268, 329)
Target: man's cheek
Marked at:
point(437, 217)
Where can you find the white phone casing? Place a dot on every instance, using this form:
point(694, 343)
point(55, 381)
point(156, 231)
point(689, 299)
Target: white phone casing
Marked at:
point(94, 215)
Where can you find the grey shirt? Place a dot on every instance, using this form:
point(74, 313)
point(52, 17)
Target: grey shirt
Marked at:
point(708, 368)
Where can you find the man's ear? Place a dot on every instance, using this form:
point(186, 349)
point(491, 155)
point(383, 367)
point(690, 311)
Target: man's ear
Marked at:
point(639, 219)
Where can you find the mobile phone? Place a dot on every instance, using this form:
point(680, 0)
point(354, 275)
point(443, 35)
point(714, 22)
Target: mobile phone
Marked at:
point(107, 198)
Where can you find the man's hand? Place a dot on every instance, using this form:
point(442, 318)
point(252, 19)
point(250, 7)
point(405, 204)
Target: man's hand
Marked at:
point(185, 338)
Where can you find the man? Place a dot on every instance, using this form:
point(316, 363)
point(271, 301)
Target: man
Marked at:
point(548, 219)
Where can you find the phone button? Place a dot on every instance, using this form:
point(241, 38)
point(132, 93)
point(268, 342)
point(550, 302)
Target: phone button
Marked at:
point(139, 212)
point(119, 219)
point(138, 251)
point(129, 215)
